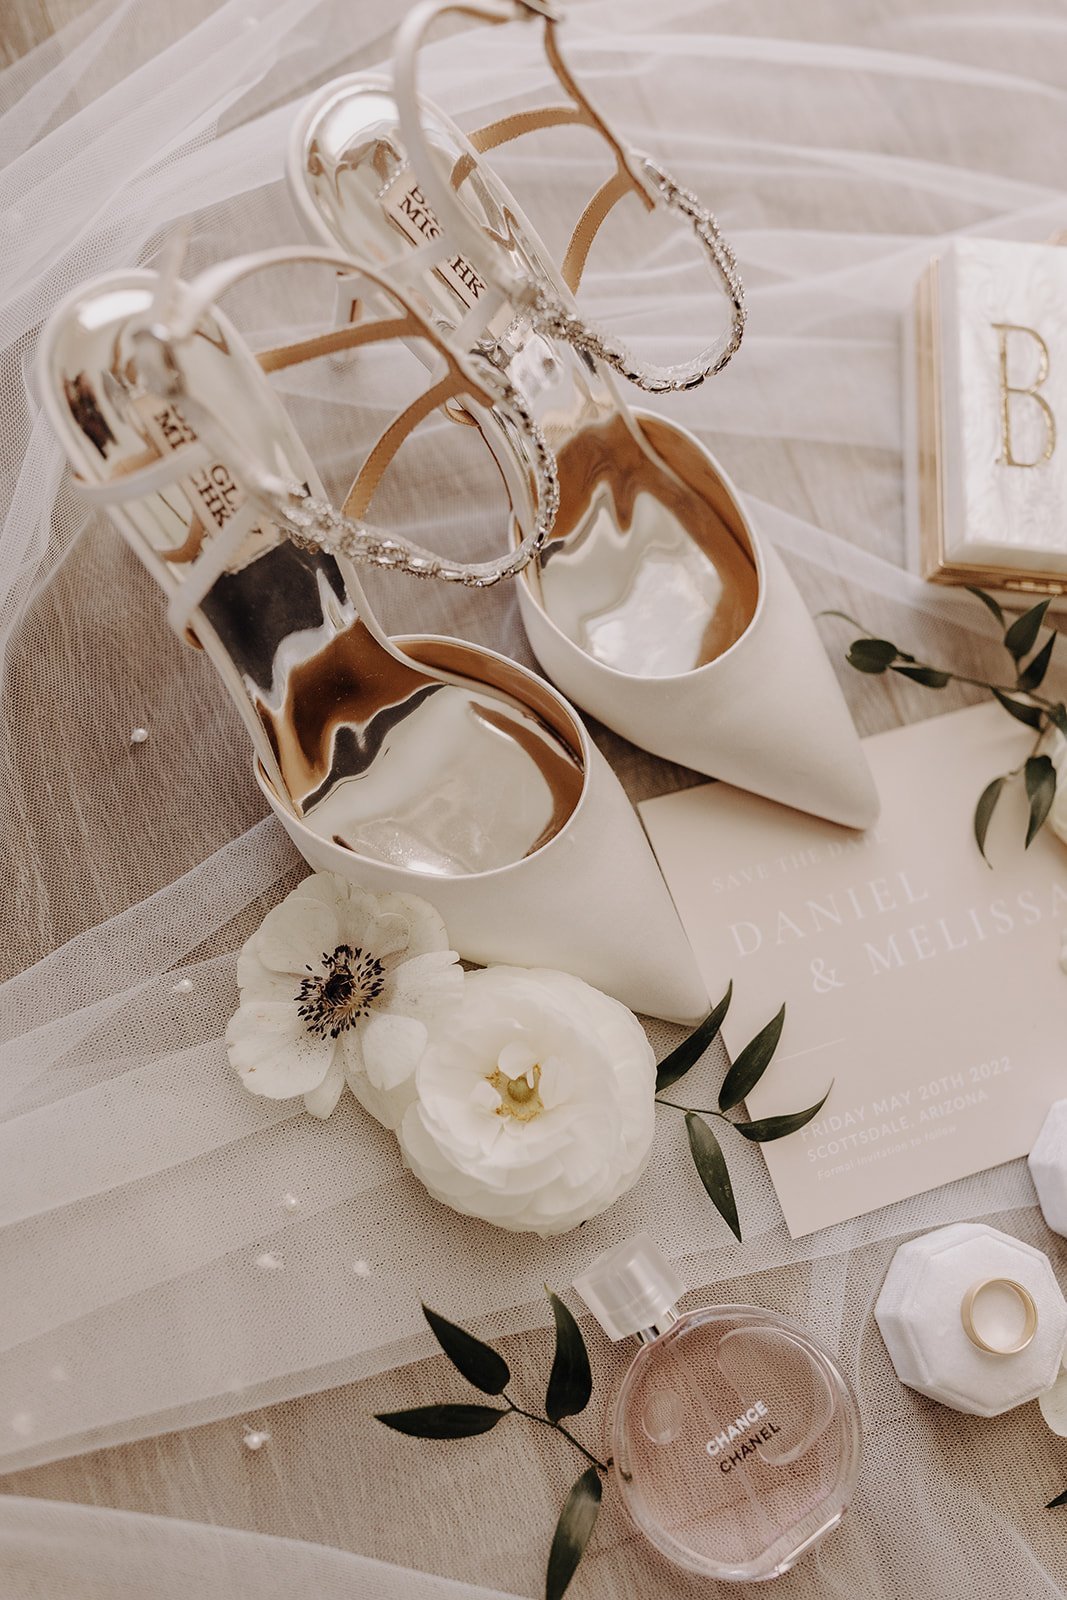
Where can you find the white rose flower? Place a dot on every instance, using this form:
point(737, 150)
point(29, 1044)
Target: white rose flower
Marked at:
point(338, 984)
point(1055, 747)
point(534, 1109)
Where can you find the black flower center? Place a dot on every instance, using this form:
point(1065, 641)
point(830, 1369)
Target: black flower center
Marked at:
point(335, 999)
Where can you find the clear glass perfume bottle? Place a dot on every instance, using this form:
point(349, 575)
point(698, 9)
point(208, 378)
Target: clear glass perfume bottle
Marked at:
point(735, 1439)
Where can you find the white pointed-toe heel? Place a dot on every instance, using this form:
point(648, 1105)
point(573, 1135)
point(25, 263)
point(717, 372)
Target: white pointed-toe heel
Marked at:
point(440, 768)
point(654, 604)
point(762, 710)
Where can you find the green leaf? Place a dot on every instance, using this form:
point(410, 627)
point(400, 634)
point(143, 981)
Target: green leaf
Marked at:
point(576, 1523)
point(767, 1129)
point(1060, 1500)
point(479, 1363)
point(1058, 716)
point(1022, 635)
point(712, 1170)
point(1031, 715)
point(689, 1052)
point(442, 1422)
point(1040, 777)
point(871, 655)
point(929, 677)
point(983, 813)
point(751, 1064)
point(1034, 676)
point(570, 1382)
point(988, 601)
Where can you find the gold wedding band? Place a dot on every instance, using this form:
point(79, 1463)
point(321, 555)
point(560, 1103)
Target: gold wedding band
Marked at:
point(1025, 1299)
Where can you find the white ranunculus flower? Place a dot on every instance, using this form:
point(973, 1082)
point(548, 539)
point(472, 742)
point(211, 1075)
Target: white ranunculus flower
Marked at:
point(338, 984)
point(1055, 747)
point(534, 1109)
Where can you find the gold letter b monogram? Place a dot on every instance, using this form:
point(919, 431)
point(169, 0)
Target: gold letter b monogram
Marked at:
point(1007, 454)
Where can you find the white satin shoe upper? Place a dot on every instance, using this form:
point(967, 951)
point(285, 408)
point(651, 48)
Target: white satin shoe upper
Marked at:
point(766, 714)
point(590, 901)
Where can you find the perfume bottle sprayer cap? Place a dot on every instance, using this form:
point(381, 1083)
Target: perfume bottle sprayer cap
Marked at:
point(631, 1288)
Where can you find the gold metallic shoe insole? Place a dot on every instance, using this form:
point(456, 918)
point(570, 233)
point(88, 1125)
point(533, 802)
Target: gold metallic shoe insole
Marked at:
point(649, 569)
point(373, 752)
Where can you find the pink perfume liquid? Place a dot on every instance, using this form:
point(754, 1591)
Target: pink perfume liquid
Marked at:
point(731, 1434)
point(735, 1439)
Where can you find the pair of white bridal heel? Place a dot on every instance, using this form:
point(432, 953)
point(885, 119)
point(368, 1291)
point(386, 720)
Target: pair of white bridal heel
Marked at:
point(426, 764)
point(653, 605)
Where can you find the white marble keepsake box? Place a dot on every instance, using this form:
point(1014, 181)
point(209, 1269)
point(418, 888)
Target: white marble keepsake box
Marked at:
point(986, 401)
point(972, 1277)
point(1048, 1167)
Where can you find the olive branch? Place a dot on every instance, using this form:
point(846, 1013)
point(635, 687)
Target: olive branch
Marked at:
point(1019, 699)
point(570, 1387)
point(742, 1077)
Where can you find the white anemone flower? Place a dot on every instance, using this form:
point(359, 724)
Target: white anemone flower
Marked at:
point(534, 1109)
point(341, 985)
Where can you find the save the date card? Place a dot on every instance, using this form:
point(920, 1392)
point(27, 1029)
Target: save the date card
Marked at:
point(924, 984)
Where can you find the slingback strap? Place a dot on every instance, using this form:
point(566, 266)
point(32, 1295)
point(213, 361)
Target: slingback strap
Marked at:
point(635, 173)
point(589, 223)
point(176, 315)
point(133, 482)
point(370, 474)
point(347, 337)
point(620, 184)
point(343, 534)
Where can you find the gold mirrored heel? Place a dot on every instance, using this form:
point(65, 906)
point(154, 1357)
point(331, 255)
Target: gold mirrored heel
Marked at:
point(439, 768)
point(653, 604)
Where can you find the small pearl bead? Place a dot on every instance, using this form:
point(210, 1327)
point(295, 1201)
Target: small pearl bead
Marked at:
point(139, 735)
point(289, 1201)
point(269, 1262)
point(256, 1438)
point(361, 1269)
point(183, 986)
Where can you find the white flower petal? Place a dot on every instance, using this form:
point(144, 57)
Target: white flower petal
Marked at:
point(352, 1057)
point(518, 1059)
point(358, 911)
point(380, 1058)
point(392, 1049)
point(387, 936)
point(321, 1101)
point(424, 987)
point(258, 982)
point(426, 931)
point(296, 933)
point(273, 1052)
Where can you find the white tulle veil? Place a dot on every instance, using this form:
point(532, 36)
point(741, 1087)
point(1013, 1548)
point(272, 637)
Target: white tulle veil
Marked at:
point(839, 143)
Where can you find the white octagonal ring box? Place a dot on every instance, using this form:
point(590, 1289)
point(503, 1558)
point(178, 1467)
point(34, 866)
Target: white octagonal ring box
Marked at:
point(1048, 1167)
point(922, 1308)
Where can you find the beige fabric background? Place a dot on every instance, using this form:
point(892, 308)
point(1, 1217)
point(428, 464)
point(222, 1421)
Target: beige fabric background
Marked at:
point(482, 1511)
